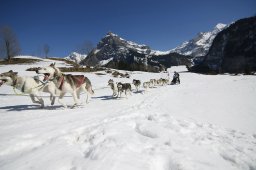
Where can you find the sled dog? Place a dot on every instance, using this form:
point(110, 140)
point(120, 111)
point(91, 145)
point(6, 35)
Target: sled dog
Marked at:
point(152, 83)
point(137, 84)
point(159, 82)
point(67, 83)
point(165, 81)
point(29, 85)
point(113, 86)
point(146, 85)
point(124, 87)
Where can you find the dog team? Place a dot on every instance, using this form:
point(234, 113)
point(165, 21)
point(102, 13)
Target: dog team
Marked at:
point(58, 84)
point(119, 88)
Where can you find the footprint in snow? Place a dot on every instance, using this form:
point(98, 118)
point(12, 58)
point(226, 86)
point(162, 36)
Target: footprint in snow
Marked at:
point(145, 132)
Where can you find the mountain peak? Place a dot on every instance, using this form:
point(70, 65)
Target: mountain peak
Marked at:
point(111, 34)
point(75, 57)
point(199, 45)
point(115, 52)
point(114, 40)
point(220, 26)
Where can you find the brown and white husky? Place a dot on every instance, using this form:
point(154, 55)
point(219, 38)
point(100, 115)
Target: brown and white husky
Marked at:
point(67, 83)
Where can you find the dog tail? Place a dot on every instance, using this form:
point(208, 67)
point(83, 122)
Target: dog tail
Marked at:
point(90, 90)
point(88, 85)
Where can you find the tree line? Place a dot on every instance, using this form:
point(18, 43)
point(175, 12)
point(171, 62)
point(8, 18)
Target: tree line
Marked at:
point(10, 47)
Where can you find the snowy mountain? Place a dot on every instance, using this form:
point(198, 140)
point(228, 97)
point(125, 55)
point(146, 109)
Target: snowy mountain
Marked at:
point(76, 57)
point(233, 50)
point(114, 47)
point(200, 45)
point(115, 52)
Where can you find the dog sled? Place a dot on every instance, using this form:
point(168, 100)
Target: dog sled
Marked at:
point(175, 81)
point(176, 78)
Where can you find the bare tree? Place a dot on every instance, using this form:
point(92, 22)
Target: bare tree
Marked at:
point(46, 50)
point(85, 48)
point(39, 51)
point(9, 45)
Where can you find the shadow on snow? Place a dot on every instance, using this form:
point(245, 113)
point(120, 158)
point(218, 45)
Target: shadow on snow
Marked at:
point(28, 107)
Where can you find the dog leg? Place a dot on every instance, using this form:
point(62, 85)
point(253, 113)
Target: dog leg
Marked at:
point(78, 94)
point(144, 91)
point(125, 92)
point(79, 90)
point(53, 92)
point(53, 100)
point(60, 100)
point(33, 99)
point(85, 90)
point(40, 100)
point(115, 94)
point(87, 98)
point(75, 99)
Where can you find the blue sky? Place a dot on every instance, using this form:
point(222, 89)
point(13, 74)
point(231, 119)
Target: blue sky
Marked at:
point(161, 24)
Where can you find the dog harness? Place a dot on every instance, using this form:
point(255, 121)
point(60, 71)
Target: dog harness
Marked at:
point(78, 80)
point(60, 80)
point(15, 83)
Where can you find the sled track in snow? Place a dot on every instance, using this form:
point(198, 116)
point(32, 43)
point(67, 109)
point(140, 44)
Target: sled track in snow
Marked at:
point(159, 133)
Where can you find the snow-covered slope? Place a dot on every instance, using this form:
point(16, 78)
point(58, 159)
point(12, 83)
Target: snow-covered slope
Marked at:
point(76, 57)
point(28, 57)
point(199, 46)
point(205, 123)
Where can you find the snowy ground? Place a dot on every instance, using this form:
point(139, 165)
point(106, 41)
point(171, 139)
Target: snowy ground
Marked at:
point(205, 123)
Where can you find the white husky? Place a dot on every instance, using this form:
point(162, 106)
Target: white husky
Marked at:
point(67, 83)
point(114, 88)
point(146, 85)
point(29, 85)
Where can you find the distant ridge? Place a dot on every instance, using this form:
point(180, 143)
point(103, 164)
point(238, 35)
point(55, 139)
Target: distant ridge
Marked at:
point(200, 45)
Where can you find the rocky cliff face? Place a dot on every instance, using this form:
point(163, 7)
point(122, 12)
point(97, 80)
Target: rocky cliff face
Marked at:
point(233, 49)
point(199, 46)
point(115, 52)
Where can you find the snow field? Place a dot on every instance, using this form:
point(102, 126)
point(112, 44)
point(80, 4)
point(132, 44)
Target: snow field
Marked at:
point(206, 122)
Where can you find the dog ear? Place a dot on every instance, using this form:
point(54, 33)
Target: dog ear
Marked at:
point(52, 65)
point(13, 72)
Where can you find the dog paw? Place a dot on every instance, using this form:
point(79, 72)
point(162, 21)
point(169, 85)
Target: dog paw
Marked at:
point(74, 106)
